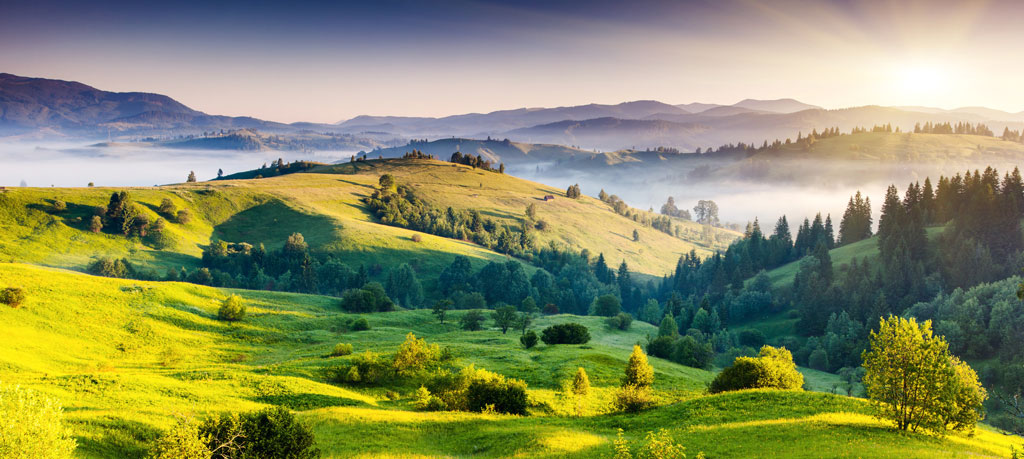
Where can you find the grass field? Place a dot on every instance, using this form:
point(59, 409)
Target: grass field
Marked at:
point(125, 357)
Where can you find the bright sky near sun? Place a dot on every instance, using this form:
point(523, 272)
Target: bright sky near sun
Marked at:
point(329, 61)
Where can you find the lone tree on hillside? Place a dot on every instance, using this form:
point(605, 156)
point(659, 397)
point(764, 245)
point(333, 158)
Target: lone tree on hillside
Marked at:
point(387, 182)
point(441, 308)
point(916, 383)
point(504, 317)
point(706, 212)
point(636, 236)
point(191, 177)
point(638, 372)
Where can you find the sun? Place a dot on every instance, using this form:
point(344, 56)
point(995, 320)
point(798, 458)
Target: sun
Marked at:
point(920, 79)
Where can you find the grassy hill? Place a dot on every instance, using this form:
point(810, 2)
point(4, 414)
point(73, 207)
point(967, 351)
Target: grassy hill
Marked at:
point(126, 357)
point(326, 206)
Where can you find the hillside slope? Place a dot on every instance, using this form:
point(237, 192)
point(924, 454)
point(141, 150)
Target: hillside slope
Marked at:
point(146, 352)
point(326, 206)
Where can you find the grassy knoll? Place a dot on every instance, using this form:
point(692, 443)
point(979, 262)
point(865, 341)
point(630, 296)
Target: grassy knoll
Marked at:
point(125, 357)
point(327, 208)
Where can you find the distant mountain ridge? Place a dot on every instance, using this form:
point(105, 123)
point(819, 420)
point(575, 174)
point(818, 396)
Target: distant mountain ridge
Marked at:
point(71, 108)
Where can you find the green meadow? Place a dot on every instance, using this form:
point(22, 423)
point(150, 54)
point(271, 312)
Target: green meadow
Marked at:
point(127, 357)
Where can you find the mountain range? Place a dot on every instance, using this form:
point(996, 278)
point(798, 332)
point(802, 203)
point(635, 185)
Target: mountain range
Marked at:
point(37, 107)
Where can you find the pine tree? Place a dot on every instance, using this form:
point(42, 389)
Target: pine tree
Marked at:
point(639, 373)
point(191, 177)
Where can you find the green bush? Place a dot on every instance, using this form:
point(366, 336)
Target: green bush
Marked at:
point(661, 347)
point(370, 298)
point(59, 206)
point(231, 309)
point(497, 393)
point(270, 433)
point(12, 296)
point(529, 339)
point(621, 321)
point(109, 267)
point(568, 333)
point(32, 425)
point(415, 355)
point(773, 368)
point(632, 398)
point(341, 349)
point(360, 324)
point(183, 441)
point(368, 368)
point(472, 320)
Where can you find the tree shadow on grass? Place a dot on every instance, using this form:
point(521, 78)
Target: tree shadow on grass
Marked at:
point(272, 222)
point(302, 402)
point(117, 438)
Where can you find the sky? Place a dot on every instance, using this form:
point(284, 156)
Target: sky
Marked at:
point(329, 61)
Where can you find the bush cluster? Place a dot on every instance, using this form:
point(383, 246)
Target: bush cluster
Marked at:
point(231, 309)
point(12, 296)
point(32, 425)
point(772, 368)
point(567, 333)
point(620, 321)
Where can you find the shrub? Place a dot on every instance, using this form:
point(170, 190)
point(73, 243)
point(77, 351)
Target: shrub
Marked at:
point(472, 320)
point(424, 400)
point(231, 309)
point(773, 368)
point(498, 393)
point(551, 309)
point(59, 206)
point(341, 349)
point(568, 333)
point(167, 208)
point(12, 296)
point(606, 305)
point(417, 238)
point(182, 441)
point(632, 399)
point(621, 321)
point(529, 339)
point(370, 298)
point(96, 224)
point(581, 383)
point(661, 347)
point(109, 267)
point(32, 425)
point(360, 324)
point(273, 432)
point(368, 368)
point(656, 445)
point(184, 216)
point(415, 355)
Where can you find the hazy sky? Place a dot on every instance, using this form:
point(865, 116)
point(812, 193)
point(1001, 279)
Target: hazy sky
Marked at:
point(327, 61)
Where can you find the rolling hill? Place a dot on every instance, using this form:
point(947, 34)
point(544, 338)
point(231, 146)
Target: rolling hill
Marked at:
point(145, 353)
point(326, 206)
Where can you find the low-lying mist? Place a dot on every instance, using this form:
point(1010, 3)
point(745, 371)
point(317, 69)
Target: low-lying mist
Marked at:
point(75, 165)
